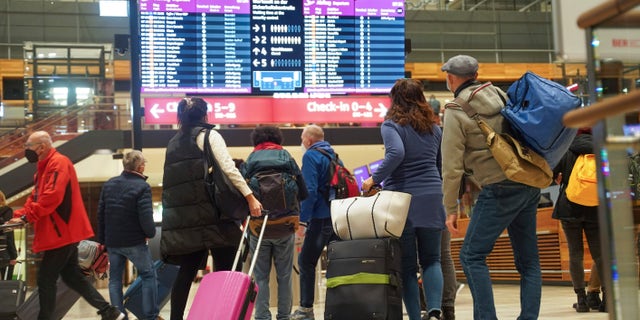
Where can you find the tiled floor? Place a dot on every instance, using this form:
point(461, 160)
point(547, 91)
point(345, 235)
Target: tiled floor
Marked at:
point(556, 304)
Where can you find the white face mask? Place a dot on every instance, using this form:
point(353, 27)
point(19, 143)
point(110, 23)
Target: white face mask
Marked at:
point(448, 86)
point(304, 149)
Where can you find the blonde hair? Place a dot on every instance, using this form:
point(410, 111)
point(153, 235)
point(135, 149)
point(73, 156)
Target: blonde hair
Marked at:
point(133, 160)
point(314, 132)
point(3, 199)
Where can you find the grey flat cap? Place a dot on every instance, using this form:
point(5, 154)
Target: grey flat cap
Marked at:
point(461, 65)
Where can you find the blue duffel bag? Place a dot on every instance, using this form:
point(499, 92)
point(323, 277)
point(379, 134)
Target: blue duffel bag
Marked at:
point(535, 109)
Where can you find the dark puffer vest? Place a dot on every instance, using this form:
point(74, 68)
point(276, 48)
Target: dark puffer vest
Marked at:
point(190, 222)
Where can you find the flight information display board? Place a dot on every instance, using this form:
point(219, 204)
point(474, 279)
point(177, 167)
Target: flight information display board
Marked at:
point(271, 47)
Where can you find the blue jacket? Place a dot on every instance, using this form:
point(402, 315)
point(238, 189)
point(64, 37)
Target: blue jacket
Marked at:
point(412, 163)
point(315, 171)
point(125, 211)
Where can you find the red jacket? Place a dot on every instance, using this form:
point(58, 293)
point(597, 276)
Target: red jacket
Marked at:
point(55, 206)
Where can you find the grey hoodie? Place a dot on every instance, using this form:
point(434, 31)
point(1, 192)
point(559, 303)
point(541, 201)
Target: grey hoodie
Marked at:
point(464, 148)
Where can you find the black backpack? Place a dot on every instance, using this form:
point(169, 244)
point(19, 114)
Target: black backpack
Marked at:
point(276, 190)
point(275, 180)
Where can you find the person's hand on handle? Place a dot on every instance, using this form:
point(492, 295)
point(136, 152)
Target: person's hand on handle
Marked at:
point(255, 207)
point(15, 220)
point(367, 184)
point(452, 223)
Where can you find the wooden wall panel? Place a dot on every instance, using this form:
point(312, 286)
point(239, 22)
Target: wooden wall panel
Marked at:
point(552, 245)
point(11, 68)
point(419, 70)
point(122, 69)
point(504, 72)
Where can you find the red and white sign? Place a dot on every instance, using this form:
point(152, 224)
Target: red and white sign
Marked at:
point(255, 110)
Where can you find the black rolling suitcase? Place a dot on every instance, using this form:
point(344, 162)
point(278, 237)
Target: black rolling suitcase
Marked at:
point(65, 299)
point(363, 280)
point(12, 293)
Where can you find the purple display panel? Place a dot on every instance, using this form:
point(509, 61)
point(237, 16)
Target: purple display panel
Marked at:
point(203, 6)
point(328, 8)
point(223, 6)
point(268, 47)
point(361, 174)
point(379, 8)
point(167, 6)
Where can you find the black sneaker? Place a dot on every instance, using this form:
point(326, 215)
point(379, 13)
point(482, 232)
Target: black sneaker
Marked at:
point(112, 313)
point(434, 315)
point(593, 300)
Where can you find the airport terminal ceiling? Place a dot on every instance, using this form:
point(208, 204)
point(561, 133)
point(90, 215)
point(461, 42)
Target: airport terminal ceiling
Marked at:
point(495, 31)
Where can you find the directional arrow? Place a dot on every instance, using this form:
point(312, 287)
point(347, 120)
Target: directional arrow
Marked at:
point(155, 111)
point(256, 39)
point(382, 109)
point(256, 28)
point(256, 62)
point(256, 51)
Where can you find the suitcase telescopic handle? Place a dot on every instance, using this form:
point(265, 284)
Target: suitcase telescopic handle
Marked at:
point(254, 257)
point(6, 273)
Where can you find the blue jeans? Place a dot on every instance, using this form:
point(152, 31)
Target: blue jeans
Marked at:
point(512, 206)
point(140, 256)
point(421, 245)
point(280, 251)
point(318, 234)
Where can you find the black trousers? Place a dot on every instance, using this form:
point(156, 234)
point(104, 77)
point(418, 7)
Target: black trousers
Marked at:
point(573, 230)
point(63, 262)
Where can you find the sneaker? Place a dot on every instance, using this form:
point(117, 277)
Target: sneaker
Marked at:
point(448, 313)
point(434, 315)
point(593, 300)
point(303, 313)
point(112, 313)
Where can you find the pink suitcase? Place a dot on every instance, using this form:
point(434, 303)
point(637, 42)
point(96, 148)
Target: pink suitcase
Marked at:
point(227, 295)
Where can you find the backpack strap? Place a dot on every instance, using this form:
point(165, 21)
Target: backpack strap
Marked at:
point(326, 154)
point(471, 112)
point(327, 185)
point(466, 107)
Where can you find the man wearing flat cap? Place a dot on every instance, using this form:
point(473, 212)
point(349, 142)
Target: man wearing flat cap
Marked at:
point(502, 203)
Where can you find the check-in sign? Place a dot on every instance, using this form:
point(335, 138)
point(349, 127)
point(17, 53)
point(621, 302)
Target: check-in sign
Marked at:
point(255, 110)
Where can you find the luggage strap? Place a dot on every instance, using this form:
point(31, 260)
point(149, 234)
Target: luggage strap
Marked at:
point(359, 278)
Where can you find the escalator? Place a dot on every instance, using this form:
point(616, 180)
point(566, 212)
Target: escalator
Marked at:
point(72, 136)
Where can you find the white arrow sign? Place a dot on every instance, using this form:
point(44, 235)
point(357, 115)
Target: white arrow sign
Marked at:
point(155, 110)
point(382, 109)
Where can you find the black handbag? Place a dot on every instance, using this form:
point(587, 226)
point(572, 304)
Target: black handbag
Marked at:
point(231, 204)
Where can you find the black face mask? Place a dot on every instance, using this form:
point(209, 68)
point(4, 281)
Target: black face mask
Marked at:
point(31, 155)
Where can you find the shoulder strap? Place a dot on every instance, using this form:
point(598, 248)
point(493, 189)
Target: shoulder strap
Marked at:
point(326, 154)
point(207, 154)
point(471, 112)
point(327, 185)
point(466, 107)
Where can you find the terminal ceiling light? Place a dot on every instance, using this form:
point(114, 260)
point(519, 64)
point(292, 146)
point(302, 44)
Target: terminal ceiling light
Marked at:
point(114, 8)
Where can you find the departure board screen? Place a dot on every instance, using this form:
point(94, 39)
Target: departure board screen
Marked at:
point(271, 47)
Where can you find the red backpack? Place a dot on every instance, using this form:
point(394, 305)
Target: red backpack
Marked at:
point(340, 179)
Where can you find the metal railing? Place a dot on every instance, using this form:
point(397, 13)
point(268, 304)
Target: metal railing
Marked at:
point(93, 114)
